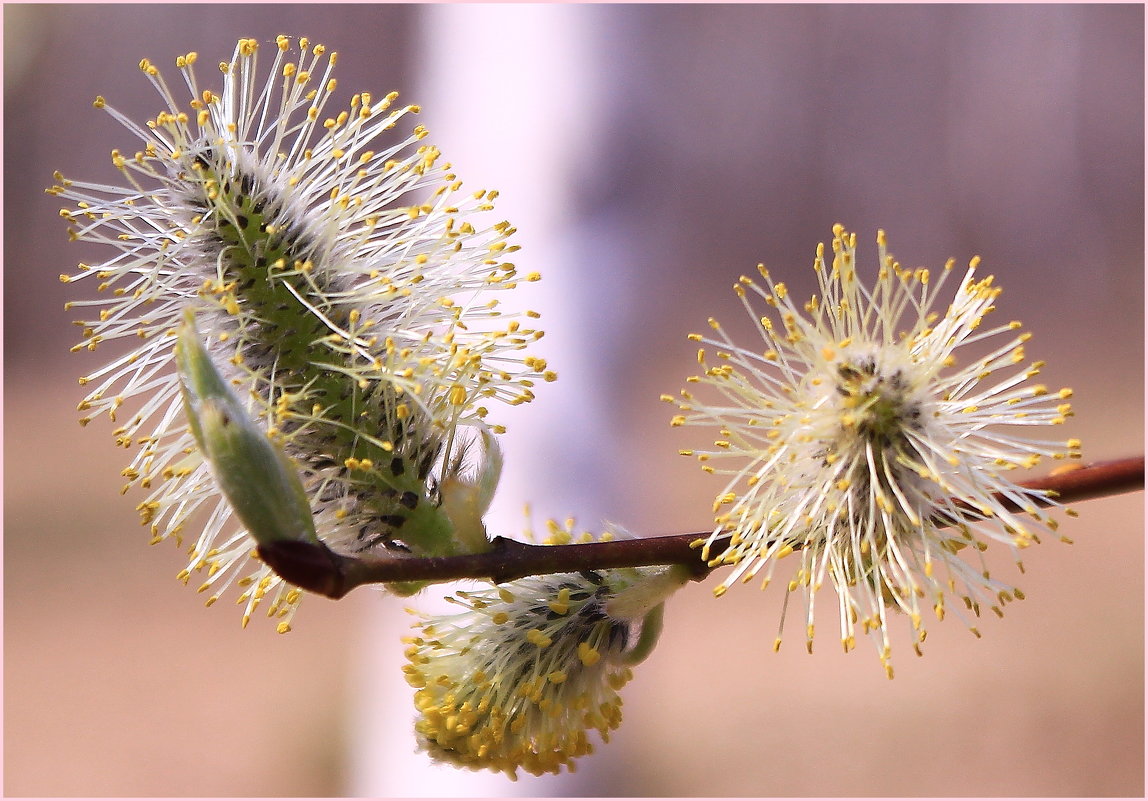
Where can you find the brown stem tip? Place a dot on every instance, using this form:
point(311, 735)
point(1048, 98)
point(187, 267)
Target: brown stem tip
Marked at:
point(310, 566)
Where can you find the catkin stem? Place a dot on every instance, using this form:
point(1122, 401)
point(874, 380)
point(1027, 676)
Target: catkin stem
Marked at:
point(322, 571)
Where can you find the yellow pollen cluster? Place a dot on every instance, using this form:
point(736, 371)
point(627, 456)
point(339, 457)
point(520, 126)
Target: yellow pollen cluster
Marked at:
point(521, 678)
point(856, 438)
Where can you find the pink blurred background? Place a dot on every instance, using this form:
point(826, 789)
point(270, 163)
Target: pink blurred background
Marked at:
point(649, 156)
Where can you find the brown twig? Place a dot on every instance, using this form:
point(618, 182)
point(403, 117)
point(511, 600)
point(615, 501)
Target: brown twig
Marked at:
point(320, 570)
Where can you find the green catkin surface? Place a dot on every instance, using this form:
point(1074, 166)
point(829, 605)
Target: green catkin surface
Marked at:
point(323, 408)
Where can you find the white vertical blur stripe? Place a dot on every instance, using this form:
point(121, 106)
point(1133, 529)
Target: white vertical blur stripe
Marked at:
point(503, 95)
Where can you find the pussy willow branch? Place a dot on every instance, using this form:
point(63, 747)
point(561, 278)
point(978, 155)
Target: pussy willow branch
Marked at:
point(320, 570)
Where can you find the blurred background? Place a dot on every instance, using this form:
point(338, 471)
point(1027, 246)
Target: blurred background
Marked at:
point(649, 156)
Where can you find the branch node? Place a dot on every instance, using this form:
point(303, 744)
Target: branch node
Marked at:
point(313, 567)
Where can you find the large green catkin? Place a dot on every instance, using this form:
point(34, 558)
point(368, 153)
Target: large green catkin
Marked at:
point(347, 290)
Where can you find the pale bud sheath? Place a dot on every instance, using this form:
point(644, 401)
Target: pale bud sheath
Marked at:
point(257, 478)
point(465, 501)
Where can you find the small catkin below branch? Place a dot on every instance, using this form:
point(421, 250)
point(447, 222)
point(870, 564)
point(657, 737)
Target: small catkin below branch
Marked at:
point(318, 569)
